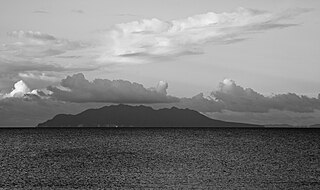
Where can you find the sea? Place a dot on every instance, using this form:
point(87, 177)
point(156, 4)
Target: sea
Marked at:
point(159, 158)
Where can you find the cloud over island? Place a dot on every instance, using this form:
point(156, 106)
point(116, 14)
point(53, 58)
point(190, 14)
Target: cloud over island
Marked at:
point(78, 89)
point(228, 99)
point(228, 96)
point(38, 62)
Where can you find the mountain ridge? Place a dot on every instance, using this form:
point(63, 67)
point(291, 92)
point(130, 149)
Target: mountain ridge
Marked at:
point(138, 116)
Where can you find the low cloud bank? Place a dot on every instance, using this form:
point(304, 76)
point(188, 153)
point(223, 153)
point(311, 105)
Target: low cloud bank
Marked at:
point(232, 97)
point(77, 88)
point(229, 102)
point(237, 98)
point(228, 96)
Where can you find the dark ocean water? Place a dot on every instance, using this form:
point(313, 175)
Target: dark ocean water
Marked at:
point(160, 158)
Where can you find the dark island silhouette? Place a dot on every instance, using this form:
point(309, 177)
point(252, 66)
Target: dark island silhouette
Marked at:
point(137, 116)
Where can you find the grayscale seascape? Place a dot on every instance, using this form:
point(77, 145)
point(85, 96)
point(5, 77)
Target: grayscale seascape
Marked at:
point(157, 158)
point(160, 94)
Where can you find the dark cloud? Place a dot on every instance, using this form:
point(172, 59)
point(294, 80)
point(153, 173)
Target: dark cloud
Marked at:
point(78, 89)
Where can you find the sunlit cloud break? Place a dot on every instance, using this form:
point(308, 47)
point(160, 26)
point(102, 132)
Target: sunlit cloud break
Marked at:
point(154, 39)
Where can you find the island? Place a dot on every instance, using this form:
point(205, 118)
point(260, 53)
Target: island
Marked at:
point(138, 116)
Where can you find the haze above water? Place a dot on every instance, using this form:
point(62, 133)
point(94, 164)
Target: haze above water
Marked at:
point(160, 158)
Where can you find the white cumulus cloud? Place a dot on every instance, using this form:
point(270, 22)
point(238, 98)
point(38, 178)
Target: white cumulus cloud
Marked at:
point(161, 87)
point(19, 90)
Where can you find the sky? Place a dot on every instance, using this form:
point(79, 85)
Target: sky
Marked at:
point(249, 61)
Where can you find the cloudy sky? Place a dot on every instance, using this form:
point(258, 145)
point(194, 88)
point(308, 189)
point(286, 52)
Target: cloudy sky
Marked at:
point(245, 60)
